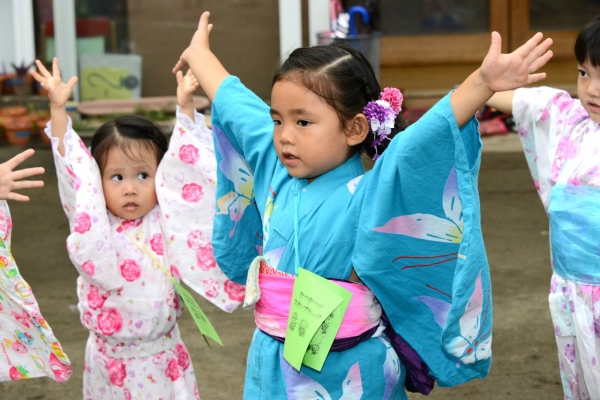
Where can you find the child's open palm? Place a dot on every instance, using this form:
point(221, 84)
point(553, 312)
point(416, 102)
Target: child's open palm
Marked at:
point(502, 72)
point(58, 91)
point(11, 180)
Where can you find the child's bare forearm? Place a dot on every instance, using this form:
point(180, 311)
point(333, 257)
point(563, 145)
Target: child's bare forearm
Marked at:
point(502, 101)
point(469, 97)
point(59, 119)
point(209, 71)
point(187, 107)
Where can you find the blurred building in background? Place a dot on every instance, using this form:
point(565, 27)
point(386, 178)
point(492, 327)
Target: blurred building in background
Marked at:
point(427, 46)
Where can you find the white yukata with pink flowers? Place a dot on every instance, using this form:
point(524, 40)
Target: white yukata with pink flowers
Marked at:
point(129, 305)
point(562, 147)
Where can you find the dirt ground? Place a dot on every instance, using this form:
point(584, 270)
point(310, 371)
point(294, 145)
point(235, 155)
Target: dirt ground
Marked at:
point(516, 235)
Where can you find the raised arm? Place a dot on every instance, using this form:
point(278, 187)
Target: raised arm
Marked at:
point(204, 64)
point(502, 101)
point(498, 73)
point(58, 93)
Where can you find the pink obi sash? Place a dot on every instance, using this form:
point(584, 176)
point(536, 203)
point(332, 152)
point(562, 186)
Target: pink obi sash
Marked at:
point(270, 291)
point(362, 321)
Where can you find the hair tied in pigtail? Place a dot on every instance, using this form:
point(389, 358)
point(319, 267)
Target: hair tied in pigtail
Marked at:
point(382, 114)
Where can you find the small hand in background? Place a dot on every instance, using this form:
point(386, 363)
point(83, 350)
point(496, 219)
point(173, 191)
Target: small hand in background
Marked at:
point(186, 86)
point(11, 180)
point(58, 91)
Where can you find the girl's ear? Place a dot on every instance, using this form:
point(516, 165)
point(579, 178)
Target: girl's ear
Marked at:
point(359, 129)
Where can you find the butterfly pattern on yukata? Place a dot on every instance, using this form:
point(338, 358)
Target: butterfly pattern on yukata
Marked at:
point(473, 344)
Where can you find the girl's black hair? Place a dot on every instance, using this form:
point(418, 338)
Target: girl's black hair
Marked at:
point(341, 76)
point(130, 133)
point(587, 44)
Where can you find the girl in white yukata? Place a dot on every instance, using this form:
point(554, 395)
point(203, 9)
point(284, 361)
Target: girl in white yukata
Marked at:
point(561, 139)
point(132, 205)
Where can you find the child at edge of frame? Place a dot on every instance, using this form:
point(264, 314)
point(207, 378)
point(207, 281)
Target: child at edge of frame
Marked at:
point(560, 138)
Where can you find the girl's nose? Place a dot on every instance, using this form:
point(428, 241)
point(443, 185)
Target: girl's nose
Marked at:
point(131, 190)
point(286, 136)
point(593, 88)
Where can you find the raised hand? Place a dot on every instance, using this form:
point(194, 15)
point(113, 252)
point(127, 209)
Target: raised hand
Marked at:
point(502, 72)
point(58, 91)
point(186, 86)
point(11, 180)
point(199, 42)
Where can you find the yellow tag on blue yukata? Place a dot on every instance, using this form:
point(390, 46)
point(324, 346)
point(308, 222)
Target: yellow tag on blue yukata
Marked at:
point(315, 301)
point(204, 325)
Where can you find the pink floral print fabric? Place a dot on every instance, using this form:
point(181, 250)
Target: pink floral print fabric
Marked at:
point(29, 348)
point(562, 146)
point(128, 304)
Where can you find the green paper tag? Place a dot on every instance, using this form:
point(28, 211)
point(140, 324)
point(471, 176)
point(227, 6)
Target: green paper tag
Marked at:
point(319, 346)
point(314, 300)
point(204, 325)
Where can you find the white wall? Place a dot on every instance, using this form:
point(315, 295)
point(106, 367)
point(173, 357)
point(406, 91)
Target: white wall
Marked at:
point(290, 23)
point(17, 45)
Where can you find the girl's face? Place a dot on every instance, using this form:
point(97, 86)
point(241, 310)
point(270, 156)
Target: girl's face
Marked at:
point(308, 137)
point(588, 89)
point(128, 183)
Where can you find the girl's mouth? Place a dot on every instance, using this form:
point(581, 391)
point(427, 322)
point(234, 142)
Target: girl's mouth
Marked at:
point(130, 206)
point(289, 159)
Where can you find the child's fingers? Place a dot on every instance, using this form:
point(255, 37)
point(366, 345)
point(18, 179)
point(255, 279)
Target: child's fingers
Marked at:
point(27, 172)
point(179, 66)
point(495, 45)
point(532, 78)
point(540, 51)
point(55, 68)
point(16, 197)
point(540, 61)
point(72, 82)
point(42, 69)
point(209, 28)
point(179, 76)
point(189, 73)
point(529, 45)
point(37, 76)
point(19, 158)
point(203, 23)
point(27, 185)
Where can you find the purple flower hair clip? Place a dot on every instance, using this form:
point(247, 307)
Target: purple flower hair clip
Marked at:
point(382, 114)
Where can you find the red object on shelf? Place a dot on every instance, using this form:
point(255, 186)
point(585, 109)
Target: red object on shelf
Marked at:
point(85, 27)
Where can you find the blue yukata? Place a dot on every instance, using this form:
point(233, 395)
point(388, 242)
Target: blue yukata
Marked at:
point(410, 228)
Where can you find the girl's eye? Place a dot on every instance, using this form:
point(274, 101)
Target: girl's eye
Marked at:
point(276, 122)
point(303, 122)
point(117, 178)
point(142, 175)
point(582, 73)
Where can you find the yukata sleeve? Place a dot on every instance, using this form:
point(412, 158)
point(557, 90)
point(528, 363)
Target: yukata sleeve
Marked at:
point(37, 352)
point(185, 186)
point(89, 245)
point(541, 115)
point(419, 246)
point(246, 160)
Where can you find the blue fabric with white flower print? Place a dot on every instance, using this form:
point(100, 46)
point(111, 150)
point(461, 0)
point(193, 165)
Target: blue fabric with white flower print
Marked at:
point(410, 228)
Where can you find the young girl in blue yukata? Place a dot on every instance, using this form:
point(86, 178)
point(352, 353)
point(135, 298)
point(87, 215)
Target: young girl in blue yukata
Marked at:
point(561, 139)
point(404, 238)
